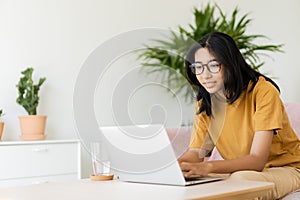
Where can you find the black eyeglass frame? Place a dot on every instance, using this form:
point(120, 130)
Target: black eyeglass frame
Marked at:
point(193, 67)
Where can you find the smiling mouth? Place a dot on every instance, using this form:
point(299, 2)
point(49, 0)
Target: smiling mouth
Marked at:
point(209, 84)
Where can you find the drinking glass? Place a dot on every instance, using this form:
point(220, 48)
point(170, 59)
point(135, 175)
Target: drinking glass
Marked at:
point(100, 161)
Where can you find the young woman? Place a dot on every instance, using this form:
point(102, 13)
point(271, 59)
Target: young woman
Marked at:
point(239, 111)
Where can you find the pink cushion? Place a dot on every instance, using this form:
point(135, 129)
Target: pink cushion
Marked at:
point(180, 139)
point(293, 111)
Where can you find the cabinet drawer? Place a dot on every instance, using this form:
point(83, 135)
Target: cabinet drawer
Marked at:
point(36, 180)
point(38, 160)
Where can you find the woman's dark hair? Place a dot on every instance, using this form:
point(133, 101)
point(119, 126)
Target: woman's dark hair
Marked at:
point(237, 73)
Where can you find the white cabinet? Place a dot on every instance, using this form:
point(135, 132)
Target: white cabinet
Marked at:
point(31, 162)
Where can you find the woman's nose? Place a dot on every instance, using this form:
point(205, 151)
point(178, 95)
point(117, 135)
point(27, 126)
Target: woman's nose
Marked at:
point(206, 73)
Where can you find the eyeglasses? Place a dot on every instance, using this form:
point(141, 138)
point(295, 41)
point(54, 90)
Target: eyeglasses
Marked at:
point(213, 67)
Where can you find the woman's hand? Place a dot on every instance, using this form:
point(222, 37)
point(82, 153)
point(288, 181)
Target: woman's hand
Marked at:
point(199, 168)
point(190, 162)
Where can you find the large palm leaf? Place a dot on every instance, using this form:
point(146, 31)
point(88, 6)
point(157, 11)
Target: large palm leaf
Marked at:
point(167, 57)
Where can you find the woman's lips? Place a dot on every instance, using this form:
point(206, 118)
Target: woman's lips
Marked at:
point(209, 84)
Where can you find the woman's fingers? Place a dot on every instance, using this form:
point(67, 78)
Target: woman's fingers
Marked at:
point(190, 169)
point(187, 168)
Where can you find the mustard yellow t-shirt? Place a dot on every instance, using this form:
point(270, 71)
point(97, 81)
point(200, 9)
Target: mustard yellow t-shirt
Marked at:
point(232, 127)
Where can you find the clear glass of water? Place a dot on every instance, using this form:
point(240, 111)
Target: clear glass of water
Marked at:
point(100, 161)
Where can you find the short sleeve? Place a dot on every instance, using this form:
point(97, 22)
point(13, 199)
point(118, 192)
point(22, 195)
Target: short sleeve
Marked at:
point(268, 107)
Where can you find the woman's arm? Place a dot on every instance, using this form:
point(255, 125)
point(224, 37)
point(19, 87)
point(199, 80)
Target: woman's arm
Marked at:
point(256, 160)
point(191, 156)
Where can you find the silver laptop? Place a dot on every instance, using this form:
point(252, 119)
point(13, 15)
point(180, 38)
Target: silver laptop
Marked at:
point(144, 154)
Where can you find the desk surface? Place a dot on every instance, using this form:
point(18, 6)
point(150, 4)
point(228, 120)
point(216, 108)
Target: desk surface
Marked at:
point(114, 190)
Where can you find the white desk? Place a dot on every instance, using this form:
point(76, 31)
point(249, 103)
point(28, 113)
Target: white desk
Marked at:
point(115, 190)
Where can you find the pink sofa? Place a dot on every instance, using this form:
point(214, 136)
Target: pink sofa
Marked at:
point(180, 138)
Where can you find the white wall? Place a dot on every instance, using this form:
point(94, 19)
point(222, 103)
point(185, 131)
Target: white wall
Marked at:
point(57, 36)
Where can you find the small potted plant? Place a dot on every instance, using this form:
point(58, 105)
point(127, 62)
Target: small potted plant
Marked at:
point(32, 125)
point(1, 124)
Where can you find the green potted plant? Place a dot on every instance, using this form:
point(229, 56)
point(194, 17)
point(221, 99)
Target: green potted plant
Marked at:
point(32, 125)
point(1, 124)
point(167, 56)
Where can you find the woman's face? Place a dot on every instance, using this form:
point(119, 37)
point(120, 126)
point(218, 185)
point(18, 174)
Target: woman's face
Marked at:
point(212, 82)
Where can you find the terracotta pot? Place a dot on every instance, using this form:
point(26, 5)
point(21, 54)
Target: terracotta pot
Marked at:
point(32, 125)
point(32, 136)
point(1, 129)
